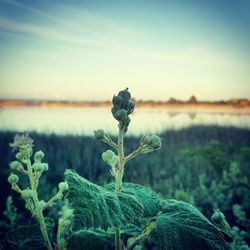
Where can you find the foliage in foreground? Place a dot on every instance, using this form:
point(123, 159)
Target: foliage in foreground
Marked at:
point(173, 224)
point(131, 209)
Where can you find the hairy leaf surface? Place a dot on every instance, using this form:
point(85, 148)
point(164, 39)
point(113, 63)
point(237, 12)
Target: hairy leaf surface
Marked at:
point(149, 199)
point(182, 226)
point(91, 240)
point(28, 237)
point(94, 206)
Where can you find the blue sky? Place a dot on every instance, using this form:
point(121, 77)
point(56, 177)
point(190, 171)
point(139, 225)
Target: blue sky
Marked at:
point(87, 50)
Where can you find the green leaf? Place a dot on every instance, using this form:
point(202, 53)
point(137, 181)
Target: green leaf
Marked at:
point(91, 240)
point(27, 237)
point(94, 206)
point(182, 226)
point(148, 198)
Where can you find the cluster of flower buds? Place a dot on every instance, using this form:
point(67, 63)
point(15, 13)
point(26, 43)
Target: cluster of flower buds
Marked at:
point(24, 144)
point(27, 194)
point(123, 106)
point(66, 217)
point(38, 165)
point(152, 142)
point(110, 158)
point(218, 218)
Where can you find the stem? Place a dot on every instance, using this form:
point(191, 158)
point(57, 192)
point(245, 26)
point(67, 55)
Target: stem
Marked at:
point(38, 210)
point(58, 237)
point(133, 154)
point(16, 188)
point(56, 197)
point(109, 141)
point(121, 162)
point(142, 149)
point(144, 234)
point(118, 179)
point(117, 239)
point(136, 241)
point(59, 243)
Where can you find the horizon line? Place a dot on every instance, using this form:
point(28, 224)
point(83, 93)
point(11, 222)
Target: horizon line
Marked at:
point(169, 100)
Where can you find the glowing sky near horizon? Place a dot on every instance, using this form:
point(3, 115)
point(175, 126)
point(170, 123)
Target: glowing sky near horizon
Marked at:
point(89, 50)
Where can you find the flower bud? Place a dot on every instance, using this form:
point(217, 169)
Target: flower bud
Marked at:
point(13, 179)
point(117, 101)
point(156, 142)
point(107, 155)
point(45, 166)
point(218, 217)
point(130, 107)
point(126, 97)
point(42, 204)
point(38, 167)
point(27, 152)
point(63, 186)
point(114, 110)
point(22, 141)
point(99, 134)
point(38, 156)
point(19, 156)
point(146, 139)
point(27, 194)
point(68, 214)
point(121, 115)
point(125, 94)
point(15, 165)
point(110, 158)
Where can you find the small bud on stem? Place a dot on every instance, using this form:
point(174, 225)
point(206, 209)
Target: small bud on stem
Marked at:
point(13, 179)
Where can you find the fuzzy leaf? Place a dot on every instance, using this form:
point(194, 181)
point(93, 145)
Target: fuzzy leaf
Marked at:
point(91, 240)
point(182, 226)
point(27, 237)
point(148, 198)
point(94, 206)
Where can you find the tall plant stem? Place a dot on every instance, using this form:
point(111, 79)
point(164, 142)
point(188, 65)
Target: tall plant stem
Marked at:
point(121, 162)
point(38, 209)
point(118, 180)
point(117, 239)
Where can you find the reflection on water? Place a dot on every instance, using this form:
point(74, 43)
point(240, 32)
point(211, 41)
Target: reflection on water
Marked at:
point(70, 120)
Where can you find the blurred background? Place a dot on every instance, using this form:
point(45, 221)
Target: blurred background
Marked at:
point(187, 66)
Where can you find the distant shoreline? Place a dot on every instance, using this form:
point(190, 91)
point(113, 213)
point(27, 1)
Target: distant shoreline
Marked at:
point(236, 106)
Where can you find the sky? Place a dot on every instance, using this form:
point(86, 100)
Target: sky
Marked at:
point(89, 50)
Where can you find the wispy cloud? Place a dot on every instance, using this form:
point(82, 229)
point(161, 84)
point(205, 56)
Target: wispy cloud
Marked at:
point(76, 44)
point(44, 14)
point(84, 21)
point(76, 26)
point(102, 34)
point(48, 34)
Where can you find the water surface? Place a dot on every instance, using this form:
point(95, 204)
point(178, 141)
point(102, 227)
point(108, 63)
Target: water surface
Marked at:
point(82, 121)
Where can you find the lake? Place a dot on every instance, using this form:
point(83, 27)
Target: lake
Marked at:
point(82, 121)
